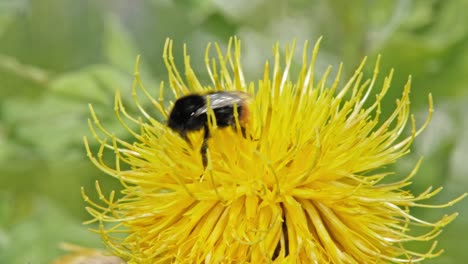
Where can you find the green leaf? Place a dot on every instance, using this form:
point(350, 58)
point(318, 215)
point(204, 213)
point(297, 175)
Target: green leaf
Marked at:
point(93, 84)
point(54, 125)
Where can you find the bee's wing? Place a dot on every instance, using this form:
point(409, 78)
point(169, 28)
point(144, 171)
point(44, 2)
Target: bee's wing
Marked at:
point(223, 99)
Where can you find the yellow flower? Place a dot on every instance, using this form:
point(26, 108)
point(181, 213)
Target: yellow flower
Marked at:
point(303, 183)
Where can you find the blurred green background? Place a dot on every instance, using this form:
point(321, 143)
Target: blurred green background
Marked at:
point(56, 56)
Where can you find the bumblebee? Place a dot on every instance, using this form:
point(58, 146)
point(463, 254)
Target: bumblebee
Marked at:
point(190, 113)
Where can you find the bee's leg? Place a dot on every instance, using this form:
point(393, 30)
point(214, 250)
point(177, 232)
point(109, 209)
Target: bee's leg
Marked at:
point(203, 149)
point(284, 231)
point(204, 146)
point(185, 137)
point(244, 133)
point(242, 129)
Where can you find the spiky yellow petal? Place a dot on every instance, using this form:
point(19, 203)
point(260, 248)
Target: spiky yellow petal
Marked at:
point(301, 187)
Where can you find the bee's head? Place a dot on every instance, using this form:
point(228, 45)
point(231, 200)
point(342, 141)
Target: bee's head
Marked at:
point(182, 117)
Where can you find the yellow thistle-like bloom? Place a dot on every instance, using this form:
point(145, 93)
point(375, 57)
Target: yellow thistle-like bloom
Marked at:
point(301, 184)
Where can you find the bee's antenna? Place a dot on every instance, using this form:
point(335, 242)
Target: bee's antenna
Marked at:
point(204, 147)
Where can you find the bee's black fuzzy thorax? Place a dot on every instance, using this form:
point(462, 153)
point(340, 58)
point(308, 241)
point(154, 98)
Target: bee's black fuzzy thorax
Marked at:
point(182, 118)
